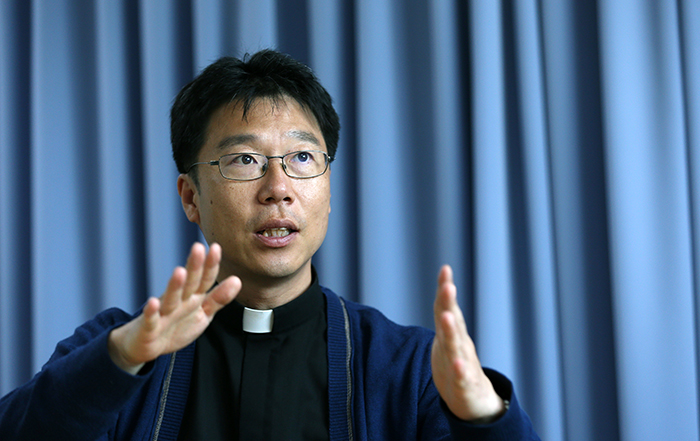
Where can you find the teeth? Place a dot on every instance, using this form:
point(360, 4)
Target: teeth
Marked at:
point(276, 232)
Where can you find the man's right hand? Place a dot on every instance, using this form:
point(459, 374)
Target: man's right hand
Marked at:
point(179, 316)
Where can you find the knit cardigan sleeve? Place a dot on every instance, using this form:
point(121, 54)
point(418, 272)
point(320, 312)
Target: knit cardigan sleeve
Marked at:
point(513, 425)
point(78, 393)
point(394, 396)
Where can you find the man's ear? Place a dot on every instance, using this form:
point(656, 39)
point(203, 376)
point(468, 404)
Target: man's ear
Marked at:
point(189, 195)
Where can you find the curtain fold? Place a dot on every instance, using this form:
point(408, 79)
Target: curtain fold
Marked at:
point(571, 69)
point(548, 150)
point(649, 215)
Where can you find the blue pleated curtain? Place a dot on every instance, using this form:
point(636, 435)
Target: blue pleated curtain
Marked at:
point(548, 149)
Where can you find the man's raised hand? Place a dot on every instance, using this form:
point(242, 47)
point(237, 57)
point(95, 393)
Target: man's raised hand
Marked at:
point(457, 372)
point(179, 316)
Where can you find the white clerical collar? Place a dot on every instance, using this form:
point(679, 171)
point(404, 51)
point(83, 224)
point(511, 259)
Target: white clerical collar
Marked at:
point(257, 321)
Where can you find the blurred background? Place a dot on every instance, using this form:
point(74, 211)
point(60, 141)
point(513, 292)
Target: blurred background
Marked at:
point(548, 149)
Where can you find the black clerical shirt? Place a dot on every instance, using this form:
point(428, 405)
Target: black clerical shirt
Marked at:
point(264, 386)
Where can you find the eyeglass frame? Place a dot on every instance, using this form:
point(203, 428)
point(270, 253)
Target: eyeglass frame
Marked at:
point(266, 166)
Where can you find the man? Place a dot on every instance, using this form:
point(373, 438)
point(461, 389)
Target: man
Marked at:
point(287, 359)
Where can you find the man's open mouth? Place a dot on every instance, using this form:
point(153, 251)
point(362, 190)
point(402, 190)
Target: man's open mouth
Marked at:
point(276, 232)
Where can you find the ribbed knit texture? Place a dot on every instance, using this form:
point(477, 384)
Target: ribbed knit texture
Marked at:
point(178, 389)
point(337, 373)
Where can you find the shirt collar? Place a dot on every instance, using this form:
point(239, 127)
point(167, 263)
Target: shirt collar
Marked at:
point(284, 317)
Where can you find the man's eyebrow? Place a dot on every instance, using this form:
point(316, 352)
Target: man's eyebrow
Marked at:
point(247, 138)
point(233, 140)
point(303, 136)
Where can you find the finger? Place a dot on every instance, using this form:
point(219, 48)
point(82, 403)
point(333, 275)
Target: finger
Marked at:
point(448, 338)
point(172, 297)
point(444, 279)
point(455, 342)
point(458, 353)
point(445, 275)
point(221, 296)
point(446, 298)
point(446, 291)
point(211, 268)
point(151, 313)
point(450, 304)
point(195, 267)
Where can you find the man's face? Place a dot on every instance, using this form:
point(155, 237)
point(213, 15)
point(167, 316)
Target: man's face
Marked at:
point(268, 228)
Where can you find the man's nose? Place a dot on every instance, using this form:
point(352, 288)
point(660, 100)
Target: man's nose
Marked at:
point(277, 185)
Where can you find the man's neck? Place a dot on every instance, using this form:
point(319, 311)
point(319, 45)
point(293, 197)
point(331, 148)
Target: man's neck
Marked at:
point(264, 292)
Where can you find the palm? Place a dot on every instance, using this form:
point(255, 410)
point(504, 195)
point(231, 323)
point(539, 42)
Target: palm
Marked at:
point(457, 372)
point(179, 316)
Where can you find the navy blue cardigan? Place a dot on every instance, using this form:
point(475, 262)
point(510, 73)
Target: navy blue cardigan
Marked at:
point(380, 387)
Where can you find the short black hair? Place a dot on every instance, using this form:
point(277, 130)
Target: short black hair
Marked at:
point(265, 74)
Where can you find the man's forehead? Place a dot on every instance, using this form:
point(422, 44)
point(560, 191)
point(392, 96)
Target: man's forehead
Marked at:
point(235, 111)
point(251, 138)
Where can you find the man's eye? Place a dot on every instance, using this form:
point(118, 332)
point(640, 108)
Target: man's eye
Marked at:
point(243, 159)
point(303, 157)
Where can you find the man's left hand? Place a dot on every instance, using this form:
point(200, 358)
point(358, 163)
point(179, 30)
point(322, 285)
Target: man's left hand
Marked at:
point(457, 372)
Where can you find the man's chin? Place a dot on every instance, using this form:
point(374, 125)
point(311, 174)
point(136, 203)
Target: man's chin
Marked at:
point(275, 271)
